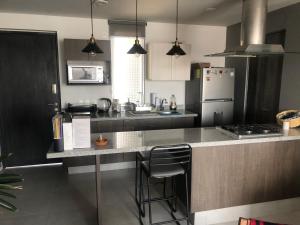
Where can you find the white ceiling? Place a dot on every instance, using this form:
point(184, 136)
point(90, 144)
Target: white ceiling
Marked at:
point(227, 12)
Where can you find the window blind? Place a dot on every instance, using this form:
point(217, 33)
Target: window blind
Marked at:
point(126, 28)
point(127, 71)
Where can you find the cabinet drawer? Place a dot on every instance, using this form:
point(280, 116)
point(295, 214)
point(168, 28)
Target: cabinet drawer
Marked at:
point(106, 126)
point(147, 124)
point(184, 122)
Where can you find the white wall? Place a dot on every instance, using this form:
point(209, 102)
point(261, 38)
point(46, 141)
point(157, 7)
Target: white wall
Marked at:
point(204, 39)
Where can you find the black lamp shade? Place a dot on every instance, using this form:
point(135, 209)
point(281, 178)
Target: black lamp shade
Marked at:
point(137, 49)
point(176, 50)
point(92, 47)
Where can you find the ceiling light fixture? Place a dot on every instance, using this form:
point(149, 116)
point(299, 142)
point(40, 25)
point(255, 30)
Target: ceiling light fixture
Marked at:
point(137, 48)
point(92, 48)
point(209, 9)
point(101, 2)
point(176, 49)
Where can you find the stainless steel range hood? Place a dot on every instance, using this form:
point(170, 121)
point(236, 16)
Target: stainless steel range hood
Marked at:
point(253, 30)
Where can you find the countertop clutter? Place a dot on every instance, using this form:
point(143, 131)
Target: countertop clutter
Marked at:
point(128, 115)
point(121, 142)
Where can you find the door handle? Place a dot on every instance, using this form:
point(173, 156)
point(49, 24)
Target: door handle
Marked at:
point(55, 104)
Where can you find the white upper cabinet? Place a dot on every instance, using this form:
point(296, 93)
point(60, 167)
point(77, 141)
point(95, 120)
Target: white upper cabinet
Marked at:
point(159, 64)
point(181, 66)
point(165, 67)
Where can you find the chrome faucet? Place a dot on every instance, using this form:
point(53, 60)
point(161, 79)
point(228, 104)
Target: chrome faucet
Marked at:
point(161, 106)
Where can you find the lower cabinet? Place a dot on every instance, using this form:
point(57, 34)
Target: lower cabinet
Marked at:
point(107, 126)
point(147, 124)
point(128, 125)
point(158, 124)
point(234, 175)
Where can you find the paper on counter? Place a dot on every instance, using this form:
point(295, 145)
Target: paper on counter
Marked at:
point(81, 132)
point(68, 136)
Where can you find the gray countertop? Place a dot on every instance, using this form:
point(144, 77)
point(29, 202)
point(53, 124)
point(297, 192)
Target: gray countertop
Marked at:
point(128, 116)
point(121, 142)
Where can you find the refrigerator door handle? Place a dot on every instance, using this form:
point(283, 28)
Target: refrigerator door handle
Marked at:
point(218, 100)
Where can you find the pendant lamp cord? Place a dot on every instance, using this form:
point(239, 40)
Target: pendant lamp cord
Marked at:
point(177, 21)
point(136, 22)
point(92, 24)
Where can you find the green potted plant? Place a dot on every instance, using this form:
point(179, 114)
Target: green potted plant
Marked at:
point(8, 183)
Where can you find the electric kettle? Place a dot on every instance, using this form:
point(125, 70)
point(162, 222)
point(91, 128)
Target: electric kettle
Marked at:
point(104, 105)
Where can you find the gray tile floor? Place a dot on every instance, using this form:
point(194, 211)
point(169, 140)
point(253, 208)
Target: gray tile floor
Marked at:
point(52, 197)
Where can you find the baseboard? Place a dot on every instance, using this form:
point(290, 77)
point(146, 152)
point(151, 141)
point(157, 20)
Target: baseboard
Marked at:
point(103, 167)
point(248, 211)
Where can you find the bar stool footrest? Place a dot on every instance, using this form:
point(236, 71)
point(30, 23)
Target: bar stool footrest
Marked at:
point(170, 221)
point(160, 199)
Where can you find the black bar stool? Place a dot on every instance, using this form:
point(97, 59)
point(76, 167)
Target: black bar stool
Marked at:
point(165, 162)
point(139, 158)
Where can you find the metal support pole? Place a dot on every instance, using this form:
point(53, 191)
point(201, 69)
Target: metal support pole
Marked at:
point(98, 187)
point(246, 90)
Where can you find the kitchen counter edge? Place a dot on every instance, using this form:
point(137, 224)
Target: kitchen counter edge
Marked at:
point(220, 139)
point(126, 116)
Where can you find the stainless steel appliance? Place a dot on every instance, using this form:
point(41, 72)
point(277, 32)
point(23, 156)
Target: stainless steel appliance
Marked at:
point(104, 105)
point(79, 109)
point(80, 72)
point(253, 33)
point(251, 131)
point(153, 97)
point(130, 106)
point(212, 96)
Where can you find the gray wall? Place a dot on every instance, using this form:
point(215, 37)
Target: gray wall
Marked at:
point(286, 18)
point(233, 39)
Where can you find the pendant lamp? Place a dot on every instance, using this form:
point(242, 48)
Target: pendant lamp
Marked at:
point(137, 48)
point(176, 49)
point(92, 48)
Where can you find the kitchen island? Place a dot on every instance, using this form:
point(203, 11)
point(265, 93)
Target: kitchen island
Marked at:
point(225, 172)
point(127, 121)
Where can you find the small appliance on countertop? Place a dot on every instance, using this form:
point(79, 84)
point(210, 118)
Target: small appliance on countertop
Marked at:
point(81, 109)
point(130, 106)
point(104, 105)
point(248, 131)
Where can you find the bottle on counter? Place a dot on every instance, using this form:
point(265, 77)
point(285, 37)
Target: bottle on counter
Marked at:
point(173, 105)
point(116, 106)
point(57, 122)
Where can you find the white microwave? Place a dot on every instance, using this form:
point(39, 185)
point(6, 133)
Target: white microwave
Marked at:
point(85, 73)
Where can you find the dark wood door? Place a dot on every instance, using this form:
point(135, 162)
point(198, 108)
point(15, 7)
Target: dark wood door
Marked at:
point(28, 68)
point(265, 83)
